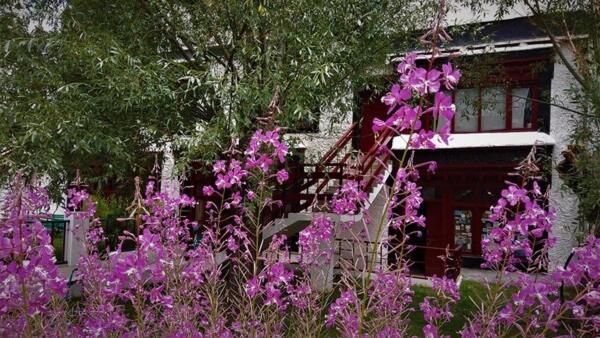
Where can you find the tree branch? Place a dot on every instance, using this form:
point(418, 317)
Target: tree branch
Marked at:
point(165, 28)
point(537, 12)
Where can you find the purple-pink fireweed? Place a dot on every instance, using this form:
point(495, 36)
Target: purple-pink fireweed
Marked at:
point(29, 278)
point(450, 76)
point(80, 204)
point(437, 309)
point(315, 241)
point(349, 198)
point(521, 213)
point(407, 196)
point(419, 82)
point(231, 282)
point(268, 139)
point(344, 311)
point(282, 176)
point(390, 294)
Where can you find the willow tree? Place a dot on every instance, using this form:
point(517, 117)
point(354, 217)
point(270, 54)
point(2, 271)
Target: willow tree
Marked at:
point(97, 84)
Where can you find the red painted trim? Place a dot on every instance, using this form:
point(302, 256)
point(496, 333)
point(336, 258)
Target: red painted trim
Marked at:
point(517, 74)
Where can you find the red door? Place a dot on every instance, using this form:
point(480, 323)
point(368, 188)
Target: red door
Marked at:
point(370, 110)
point(437, 238)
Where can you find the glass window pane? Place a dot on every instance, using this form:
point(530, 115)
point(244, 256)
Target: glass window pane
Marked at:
point(521, 108)
point(463, 220)
point(493, 108)
point(441, 120)
point(487, 225)
point(466, 103)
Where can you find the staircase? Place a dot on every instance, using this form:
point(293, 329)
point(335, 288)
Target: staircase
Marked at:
point(313, 185)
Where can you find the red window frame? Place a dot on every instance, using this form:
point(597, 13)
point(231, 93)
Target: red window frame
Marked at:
point(517, 74)
point(535, 92)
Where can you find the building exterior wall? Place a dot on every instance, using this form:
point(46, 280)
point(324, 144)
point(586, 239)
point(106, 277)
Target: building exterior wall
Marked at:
point(332, 124)
point(459, 14)
point(366, 227)
point(560, 129)
point(561, 199)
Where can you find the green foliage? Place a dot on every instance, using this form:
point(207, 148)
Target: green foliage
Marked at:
point(97, 84)
point(110, 207)
point(109, 210)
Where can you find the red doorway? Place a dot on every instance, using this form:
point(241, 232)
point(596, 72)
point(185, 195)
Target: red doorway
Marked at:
point(456, 203)
point(371, 108)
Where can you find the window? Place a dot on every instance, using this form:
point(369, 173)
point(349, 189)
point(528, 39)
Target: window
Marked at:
point(487, 225)
point(521, 108)
point(463, 220)
point(466, 101)
point(494, 109)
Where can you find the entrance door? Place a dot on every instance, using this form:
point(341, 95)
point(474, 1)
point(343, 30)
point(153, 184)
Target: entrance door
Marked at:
point(437, 239)
point(471, 225)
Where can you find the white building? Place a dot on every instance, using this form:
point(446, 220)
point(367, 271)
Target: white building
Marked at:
point(489, 139)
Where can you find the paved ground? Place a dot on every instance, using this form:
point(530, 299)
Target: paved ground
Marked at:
point(478, 275)
point(65, 270)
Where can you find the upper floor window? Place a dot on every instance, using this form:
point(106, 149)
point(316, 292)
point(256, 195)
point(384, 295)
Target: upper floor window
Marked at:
point(495, 109)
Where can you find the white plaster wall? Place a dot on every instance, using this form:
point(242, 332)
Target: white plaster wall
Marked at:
point(366, 229)
point(561, 127)
point(459, 14)
point(169, 182)
point(332, 124)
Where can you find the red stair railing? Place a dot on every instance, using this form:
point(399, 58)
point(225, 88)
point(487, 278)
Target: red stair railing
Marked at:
point(299, 197)
point(374, 157)
point(339, 144)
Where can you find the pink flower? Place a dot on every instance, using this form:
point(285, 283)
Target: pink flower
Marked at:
point(407, 64)
point(348, 199)
point(443, 106)
point(264, 162)
point(514, 194)
point(450, 76)
point(432, 167)
point(222, 182)
point(396, 96)
point(232, 244)
point(219, 167)
point(236, 198)
point(281, 149)
point(282, 176)
point(424, 82)
point(315, 242)
point(207, 190)
point(344, 311)
point(379, 125)
point(252, 287)
point(430, 331)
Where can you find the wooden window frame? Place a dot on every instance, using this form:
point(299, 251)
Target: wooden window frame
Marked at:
point(516, 75)
point(535, 92)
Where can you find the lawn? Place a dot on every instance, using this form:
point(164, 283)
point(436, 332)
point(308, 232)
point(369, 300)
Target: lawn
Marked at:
point(469, 291)
point(461, 310)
